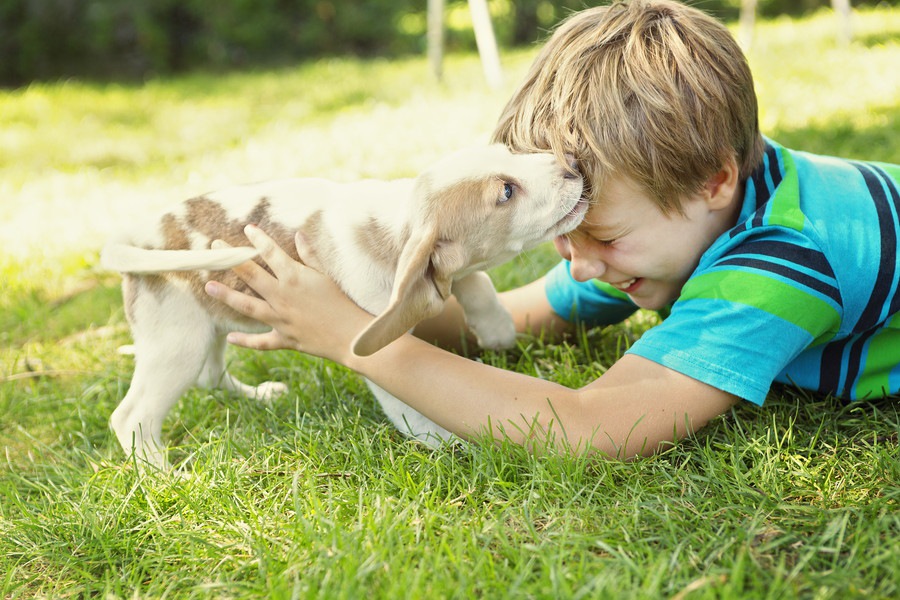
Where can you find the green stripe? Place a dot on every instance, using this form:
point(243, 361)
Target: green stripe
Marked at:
point(881, 357)
point(784, 207)
point(783, 300)
point(884, 347)
point(892, 170)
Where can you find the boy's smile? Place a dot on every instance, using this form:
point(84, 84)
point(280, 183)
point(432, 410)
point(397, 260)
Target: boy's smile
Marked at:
point(627, 241)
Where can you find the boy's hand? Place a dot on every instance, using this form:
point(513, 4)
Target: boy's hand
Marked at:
point(306, 310)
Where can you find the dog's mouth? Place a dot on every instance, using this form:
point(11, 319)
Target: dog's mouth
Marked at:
point(571, 219)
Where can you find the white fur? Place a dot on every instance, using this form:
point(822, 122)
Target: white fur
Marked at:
point(430, 238)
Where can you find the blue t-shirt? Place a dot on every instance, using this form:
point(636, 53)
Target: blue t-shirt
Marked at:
point(803, 290)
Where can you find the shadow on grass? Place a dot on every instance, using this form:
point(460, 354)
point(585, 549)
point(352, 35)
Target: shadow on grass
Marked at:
point(37, 315)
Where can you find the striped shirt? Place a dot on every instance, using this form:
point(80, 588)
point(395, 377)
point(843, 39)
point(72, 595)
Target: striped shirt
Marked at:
point(803, 290)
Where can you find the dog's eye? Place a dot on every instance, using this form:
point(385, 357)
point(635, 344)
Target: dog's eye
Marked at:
point(506, 194)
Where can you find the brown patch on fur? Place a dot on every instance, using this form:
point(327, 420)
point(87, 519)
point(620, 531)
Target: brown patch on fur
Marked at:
point(379, 242)
point(175, 237)
point(324, 257)
point(468, 211)
point(174, 234)
point(209, 219)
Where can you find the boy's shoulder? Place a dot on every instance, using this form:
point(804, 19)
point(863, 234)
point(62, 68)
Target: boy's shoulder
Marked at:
point(820, 196)
point(816, 234)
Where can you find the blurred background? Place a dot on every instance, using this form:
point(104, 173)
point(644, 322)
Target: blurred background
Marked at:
point(111, 110)
point(135, 39)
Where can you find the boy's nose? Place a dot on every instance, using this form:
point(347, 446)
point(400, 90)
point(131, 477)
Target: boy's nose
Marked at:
point(583, 270)
point(585, 265)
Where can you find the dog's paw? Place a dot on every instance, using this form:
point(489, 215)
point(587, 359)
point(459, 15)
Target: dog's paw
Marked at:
point(269, 390)
point(497, 334)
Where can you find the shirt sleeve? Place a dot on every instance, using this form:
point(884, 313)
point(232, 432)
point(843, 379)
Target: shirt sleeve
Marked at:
point(591, 302)
point(737, 330)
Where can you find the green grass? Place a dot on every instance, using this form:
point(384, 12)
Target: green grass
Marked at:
point(315, 495)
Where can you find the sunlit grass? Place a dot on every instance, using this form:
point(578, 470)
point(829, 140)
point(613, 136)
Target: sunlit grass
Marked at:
point(819, 95)
point(316, 495)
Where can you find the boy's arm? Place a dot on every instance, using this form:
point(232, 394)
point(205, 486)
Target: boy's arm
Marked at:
point(632, 409)
point(635, 408)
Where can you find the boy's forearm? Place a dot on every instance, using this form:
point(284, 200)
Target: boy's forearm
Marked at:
point(472, 399)
point(463, 396)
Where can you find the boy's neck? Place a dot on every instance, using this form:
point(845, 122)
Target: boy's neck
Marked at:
point(737, 203)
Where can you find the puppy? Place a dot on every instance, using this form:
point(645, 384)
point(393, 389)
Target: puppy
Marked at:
point(397, 248)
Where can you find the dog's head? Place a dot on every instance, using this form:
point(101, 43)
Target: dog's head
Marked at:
point(474, 210)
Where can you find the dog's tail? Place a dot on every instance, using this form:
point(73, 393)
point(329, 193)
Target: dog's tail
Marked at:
point(131, 259)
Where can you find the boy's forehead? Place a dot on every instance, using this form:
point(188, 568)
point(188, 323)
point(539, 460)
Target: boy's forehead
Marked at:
point(600, 219)
point(616, 204)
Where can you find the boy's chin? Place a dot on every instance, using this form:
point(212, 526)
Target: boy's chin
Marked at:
point(656, 301)
point(647, 304)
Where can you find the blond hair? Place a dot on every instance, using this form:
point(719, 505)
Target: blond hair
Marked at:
point(651, 89)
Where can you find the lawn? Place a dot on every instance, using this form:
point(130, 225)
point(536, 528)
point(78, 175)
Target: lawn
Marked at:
point(315, 494)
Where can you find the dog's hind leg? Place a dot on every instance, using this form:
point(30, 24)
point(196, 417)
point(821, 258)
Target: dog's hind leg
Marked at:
point(215, 375)
point(167, 363)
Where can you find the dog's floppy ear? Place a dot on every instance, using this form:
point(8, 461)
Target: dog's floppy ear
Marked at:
point(422, 284)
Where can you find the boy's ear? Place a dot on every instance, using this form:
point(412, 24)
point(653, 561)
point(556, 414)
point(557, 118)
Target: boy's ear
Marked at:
point(720, 189)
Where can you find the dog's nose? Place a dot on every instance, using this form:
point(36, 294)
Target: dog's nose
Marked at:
point(572, 170)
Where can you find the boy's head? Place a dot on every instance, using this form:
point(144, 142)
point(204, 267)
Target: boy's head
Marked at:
point(650, 89)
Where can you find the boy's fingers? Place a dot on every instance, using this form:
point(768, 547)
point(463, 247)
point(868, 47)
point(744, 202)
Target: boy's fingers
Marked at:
point(255, 341)
point(255, 308)
point(250, 272)
point(274, 256)
point(305, 252)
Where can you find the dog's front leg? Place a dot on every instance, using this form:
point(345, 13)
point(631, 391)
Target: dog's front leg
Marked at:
point(486, 317)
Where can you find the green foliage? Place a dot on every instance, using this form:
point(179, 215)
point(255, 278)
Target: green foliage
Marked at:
point(315, 495)
point(47, 39)
point(134, 38)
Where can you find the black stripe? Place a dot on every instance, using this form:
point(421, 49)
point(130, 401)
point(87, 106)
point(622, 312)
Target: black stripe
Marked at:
point(854, 358)
point(869, 323)
point(831, 366)
point(761, 187)
point(738, 230)
point(895, 199)
point(854, 362)
point(805, 257)
point(775, 176)
point(774, 169)
point(888, 260)
point(802, 278)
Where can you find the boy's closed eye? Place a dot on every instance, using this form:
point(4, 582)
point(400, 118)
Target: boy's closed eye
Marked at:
point(604, 239)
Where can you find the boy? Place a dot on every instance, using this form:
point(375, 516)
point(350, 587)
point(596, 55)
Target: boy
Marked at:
point(777, 265)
